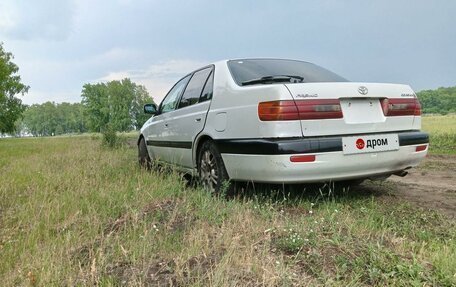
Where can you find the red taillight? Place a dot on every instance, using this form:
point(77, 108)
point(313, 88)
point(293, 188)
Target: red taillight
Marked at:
point(401, 107)
point(300, 110)
point(278, 111)
point(319, 109)
point(302, 158)
point(420, 148)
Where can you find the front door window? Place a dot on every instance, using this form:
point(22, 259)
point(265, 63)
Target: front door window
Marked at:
point(170, 101)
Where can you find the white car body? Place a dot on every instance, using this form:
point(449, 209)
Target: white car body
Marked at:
point(291, 151)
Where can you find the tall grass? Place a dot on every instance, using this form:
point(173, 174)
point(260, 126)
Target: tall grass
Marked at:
point(442, 131)
point(74, 213)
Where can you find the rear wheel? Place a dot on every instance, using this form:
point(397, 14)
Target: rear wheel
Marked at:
point(143, 155)
point(211, 169)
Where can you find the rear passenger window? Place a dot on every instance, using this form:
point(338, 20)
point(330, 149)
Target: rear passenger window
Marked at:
point(195, 86)
point(207, 92)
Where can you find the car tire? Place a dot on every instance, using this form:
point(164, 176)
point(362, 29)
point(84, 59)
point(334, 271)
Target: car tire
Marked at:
point(211, 170)
point(143, 155)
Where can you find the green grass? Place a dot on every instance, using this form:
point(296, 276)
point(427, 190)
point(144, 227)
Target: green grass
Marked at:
point(442, 131)
point(75, 213)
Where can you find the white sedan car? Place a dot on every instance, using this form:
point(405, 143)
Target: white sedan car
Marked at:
point(283, 121)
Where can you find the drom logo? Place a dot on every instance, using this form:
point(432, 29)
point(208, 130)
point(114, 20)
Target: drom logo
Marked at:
point(360, 143)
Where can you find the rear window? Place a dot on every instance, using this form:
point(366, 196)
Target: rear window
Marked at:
point(251, 69)
point(194, 88)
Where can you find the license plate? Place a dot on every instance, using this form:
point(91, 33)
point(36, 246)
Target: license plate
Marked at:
point(370, 143)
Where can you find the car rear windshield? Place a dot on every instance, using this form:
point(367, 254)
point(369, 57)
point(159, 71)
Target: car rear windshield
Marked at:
point(251, 69)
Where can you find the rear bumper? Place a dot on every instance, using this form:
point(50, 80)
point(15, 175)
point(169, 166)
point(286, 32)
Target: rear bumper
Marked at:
point(276, 146)
point(268, 160)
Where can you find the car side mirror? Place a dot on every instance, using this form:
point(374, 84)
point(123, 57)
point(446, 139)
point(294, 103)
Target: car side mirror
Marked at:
point(150, 109)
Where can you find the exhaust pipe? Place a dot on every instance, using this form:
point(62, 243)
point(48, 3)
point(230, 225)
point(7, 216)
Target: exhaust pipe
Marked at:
point(401, 173)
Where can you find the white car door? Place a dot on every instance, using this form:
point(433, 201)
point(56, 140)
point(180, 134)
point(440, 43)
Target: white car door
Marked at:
point(190, 116)
point(158, 131)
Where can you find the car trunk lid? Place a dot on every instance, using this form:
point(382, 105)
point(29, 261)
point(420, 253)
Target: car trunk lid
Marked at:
point(361, 106)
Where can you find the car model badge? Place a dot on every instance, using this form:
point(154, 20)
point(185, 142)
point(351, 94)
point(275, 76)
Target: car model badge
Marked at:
point(307, 95)
point(363, 90)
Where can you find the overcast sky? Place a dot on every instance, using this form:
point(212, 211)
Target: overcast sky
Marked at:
point(59, 44)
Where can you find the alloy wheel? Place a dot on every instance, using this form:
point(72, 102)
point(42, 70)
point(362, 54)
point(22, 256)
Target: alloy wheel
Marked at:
point(209, 172)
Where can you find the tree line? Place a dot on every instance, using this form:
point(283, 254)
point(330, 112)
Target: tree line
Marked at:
point(115, 105)
point(49, 119)
point(438, 101)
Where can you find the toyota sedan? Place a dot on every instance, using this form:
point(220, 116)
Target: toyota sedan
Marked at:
point(282, 121)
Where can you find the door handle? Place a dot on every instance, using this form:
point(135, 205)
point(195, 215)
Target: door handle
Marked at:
point(198, 120)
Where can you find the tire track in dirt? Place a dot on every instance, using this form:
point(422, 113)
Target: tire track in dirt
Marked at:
point(432, 185)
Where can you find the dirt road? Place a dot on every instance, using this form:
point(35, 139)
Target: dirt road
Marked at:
point(432, 185)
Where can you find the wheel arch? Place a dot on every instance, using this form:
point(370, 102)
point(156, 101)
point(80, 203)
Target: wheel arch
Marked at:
point(198, 143)
point(139, 139)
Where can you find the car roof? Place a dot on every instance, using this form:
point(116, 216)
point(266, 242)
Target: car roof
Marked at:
point(259, 58)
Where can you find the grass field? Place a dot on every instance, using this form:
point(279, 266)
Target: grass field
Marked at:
point(75, 213)
point(442, 131)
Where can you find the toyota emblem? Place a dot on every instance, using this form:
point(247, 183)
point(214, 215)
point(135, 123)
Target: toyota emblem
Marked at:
point(362, 90)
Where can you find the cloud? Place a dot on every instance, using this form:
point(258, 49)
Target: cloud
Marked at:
point(49, 20)
point(157, 78)
point(65, 76)
point(7, 16)
point(167, 69)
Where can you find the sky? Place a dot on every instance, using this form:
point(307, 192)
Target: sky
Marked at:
point(59, 45)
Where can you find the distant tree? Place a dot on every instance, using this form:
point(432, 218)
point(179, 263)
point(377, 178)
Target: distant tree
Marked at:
point(439, 101)
point(137, 111)
point(115, 104)
point(11, 107)
point(54, 119)
point(96, 102)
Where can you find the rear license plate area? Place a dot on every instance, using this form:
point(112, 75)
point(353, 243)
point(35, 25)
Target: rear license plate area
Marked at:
point(370, 143)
